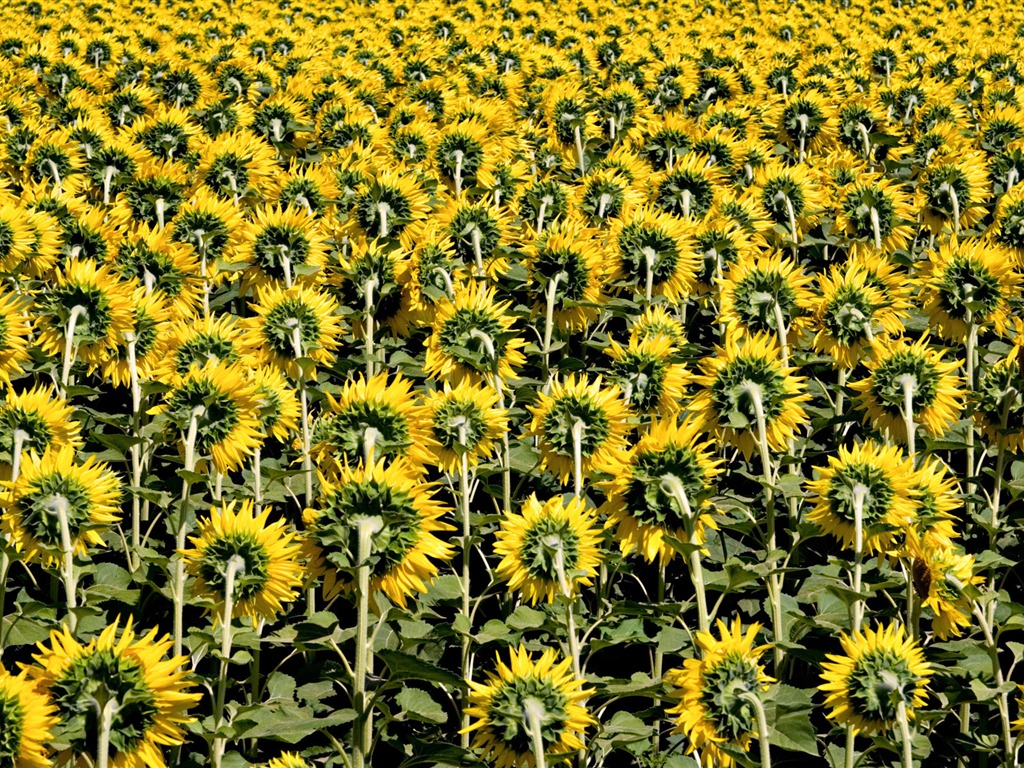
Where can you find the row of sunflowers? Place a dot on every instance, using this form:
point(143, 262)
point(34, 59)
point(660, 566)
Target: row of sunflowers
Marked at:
point(511, 384)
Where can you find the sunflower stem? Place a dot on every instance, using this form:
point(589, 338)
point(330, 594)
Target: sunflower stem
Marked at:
point(136, 452)
point(578, 138)
point(860, 494)
point(651, 257)
point(602, 204)
point(365, 527)
point(383, 209)
point(577, 456)
point(459, 156)
point(368, 288)
point(1003, 702)
point(791, 213)
point(478, 251)
point(762, 726)
point(549, 314)
point(673, 486)
point(782, 330)
point(467, 549)
point(106, 723)
point(257, 478)
point(866, 141)
point(160, 206)
point(533, 714)
point(687, 196)
point(540, 216)
point(77, 311)
point(60, 509)
point(909, 383)
point(286, 267)
point(307, 464)
point(774, 580)
point(108, 177)
point(876, 228)
point(178, 586)
point(235, 565)
point(972, 346)
point(908, 745)
point(570, 619)
point(841, 393)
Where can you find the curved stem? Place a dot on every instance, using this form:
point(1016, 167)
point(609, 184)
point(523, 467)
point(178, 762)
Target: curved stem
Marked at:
point(106, 722)
point(368, 288)
point(762, 727)
point(908, 744)
point(77, 312)
point(909, 384)
point(533, 714)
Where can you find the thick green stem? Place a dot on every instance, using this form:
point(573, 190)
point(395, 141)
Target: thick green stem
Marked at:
point(77, 311)
point(60, 509)
point(106, 722)
point(908, 743)
point(368, 288)
point(860, 494)
point(909, 384)
point(577, 456)
point(178, 580)
point(467, 549)
point(972, 345)
point(762, 727)
point(235, 565)
point(533, 715)
point(366, 527)
point(1003, 702)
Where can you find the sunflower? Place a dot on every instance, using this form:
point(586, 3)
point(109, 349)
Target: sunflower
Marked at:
point(295, 329)
point(15, 335)
point(221, 401)
point(472, 338)
point(790, 197)
point(714, 711)
point(43, 420)
point(953, 192)
point(875, 478)
point(269, 573)
point(969, 283)
point(651, 380)
point(944, 578)
point(308, 186)
point(374, 280)
point(389, 207)
point(282, 244)
point(567, 266)
point(147, 692)
point(876, 210)
point(901, 369)
point(527, 694)
point(464, 421)
point(878, 671)
point(28, 719)
point(605, 194)
point(87, 493)
point(760, 292)
point(433, 269)
point(404, 515)
point(849, 311)
point(654, 251)
point(549, 549)
point(195, 343)
point(999, 398)
point(150, 315)
point(15, 237)
point(236, 166)
point(743, 372)
point(277, 402)
point(936, 495)
point(647, 513)
point(90, 300)
point(162, 265)
point(690, 189)
point(578, 411)
point(463, 151)
point(479, 233)
point(212, 226)
point(1007, 228)
point(288, 760)
point(656, 321)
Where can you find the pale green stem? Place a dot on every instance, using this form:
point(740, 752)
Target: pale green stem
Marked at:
point(106, 722)
point(860, 494)
point(577, 456)
point(136, 453)
point(257, 478)
point(578, 136)
point(780, 327)
point(774, 580)
point(651, 258)
point(60, 509)
point(549, 314)
point(1003, 702)
point(672, 486)
point(908, 743)
point(77, 312)
point(570, 619)
point(909, 383)
point(762, 727)
point(307, 464)
point(368, 288)
point(235, 565)
point(533, 714)
point(467, 548)
point(459, 158)
point(876, 227)
point(366, 527)
point(972, 345)
point(178, 587)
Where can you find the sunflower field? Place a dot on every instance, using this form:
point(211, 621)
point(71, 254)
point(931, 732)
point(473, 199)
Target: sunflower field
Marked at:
point(511, 384)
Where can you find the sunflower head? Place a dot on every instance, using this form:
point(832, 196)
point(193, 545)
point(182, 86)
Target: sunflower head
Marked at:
point(524, 695)
point(576, 411)
point(714, 710)
point(549, 549)
point(649, 376)
point(28, 721)
point(150, 700)
point(261, 560)
point(879, 670)
point(398, 509)
point(295, 329)
point(53, 491)
point(464, 421)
